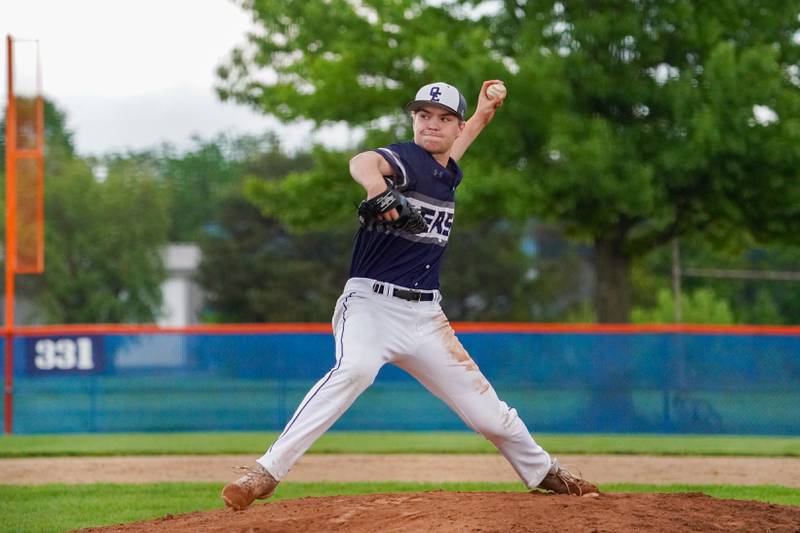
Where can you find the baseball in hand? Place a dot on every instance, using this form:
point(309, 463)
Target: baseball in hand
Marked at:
point(496, 91)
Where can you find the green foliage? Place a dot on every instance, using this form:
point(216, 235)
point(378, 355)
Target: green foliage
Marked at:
point(759, 301)
point(677, 151)
point(630, 126)
point(254, 271)
point(485, 277)
point(752, 301)
point(491, 273)
point(315, 199)
point(102, 255)
point(59, 145)
point(102, 238)
point(338, 60)
point(197, 181)
point(583, 313)
point(764, 311)
point(701, 306)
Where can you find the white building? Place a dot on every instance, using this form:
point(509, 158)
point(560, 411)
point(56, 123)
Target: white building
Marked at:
point(182, 299)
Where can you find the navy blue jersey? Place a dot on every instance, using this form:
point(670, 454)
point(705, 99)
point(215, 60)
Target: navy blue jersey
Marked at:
point(405, 259)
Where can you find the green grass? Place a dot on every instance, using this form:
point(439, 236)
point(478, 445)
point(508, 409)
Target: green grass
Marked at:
point(385, 442)
point(67, 507)
point(761, 493)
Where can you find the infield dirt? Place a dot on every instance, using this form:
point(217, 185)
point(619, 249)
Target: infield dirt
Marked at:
point(433, 468)
point(485, 512)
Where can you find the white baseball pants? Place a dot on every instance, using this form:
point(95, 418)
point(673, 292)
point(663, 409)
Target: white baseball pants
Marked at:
point(374, 329)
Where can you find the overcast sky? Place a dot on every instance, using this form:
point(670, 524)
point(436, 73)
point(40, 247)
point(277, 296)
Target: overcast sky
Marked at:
point(133, 74)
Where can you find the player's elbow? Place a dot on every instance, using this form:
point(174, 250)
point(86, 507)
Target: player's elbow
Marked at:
point(360, 161)
point(365, 168)
point(355, 163)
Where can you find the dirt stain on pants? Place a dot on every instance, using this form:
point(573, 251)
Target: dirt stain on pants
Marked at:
point(457, 352)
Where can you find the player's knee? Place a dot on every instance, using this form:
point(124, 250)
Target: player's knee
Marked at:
point(497, 425)
point(491, 430)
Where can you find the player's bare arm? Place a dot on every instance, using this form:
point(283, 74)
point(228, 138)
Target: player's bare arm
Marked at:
point(368, 169)
point(484, 113)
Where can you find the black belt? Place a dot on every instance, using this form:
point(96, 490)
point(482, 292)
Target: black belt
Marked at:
point(405, 294)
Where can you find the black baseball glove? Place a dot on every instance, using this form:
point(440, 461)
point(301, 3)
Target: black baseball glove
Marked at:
point(410, 219)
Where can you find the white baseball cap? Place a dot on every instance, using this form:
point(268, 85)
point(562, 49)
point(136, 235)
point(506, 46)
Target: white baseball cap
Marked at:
point(442, 95)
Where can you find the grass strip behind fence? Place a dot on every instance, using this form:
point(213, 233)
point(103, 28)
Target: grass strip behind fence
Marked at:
point(67, 507)
point(254, 443)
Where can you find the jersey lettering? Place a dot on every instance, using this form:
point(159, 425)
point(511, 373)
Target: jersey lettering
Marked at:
point(448, 223)
point(438, 218)
point(427, 214)
point(437, 225)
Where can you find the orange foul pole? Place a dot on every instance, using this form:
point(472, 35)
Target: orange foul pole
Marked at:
point(11, 237)
point(25, 213)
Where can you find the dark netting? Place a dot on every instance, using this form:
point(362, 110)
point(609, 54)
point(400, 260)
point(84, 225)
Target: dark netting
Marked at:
point(558, 382)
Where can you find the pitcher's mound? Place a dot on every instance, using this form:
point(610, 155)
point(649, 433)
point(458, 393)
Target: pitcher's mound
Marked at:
point(488, 511)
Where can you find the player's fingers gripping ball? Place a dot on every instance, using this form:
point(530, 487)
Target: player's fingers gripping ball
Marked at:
point(410, 219)
point(497, 91)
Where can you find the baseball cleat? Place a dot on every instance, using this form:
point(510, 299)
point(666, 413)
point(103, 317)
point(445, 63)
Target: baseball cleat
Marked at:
point(256, 484)
point(562, 481)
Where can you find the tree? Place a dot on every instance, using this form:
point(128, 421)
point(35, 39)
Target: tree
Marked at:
point(102, 261)
point(195, 180)
point(752, 301)
point(253, 269)
point(699, 307)
point(492, 273)
point(630, 125)
point(58, 142)
point(103, 244)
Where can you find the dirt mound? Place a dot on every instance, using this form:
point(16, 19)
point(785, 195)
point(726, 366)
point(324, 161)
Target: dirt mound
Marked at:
point(487, 511)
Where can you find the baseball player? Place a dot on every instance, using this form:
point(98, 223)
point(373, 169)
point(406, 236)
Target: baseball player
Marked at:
point(389, 311)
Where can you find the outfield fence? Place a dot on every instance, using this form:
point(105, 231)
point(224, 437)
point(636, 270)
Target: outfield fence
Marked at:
point(560, 378)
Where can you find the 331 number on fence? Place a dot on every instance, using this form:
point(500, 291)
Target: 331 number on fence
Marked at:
point(64, 355)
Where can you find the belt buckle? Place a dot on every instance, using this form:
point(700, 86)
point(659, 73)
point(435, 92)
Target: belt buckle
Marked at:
point(408, 295)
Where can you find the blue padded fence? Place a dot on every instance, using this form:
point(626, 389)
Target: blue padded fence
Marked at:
point(559, 381)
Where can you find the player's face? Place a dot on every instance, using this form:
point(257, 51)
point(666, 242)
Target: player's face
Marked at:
point(436, 129)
